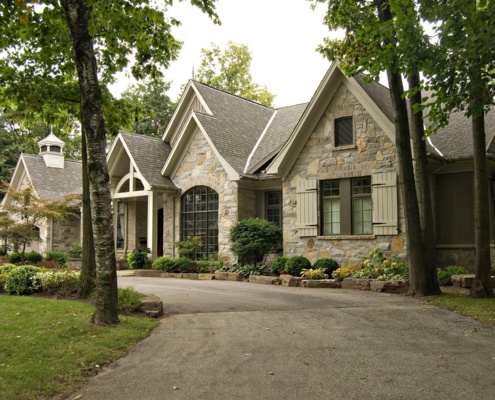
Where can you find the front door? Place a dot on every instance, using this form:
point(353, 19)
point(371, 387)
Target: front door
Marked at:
point(159, 234)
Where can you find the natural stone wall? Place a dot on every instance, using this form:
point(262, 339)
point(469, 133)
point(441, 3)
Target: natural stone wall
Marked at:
point(463, 256)
point(247, 203)
point(373, 152)
point(201, 167)
point(65, 232)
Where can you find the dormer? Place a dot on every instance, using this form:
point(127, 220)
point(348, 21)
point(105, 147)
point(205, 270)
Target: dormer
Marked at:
point(52, 150)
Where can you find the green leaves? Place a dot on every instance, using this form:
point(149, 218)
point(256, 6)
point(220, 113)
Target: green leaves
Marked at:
point(231, 71)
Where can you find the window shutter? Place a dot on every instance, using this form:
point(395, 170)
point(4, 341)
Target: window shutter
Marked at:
point(307, 208)
point(385, 209)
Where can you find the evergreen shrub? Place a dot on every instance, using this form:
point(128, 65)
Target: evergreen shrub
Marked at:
point(296, 264)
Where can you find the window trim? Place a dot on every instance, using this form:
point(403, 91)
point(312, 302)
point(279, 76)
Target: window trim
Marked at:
point(276, 207)
point(346, 207)
point(206, 246)
point(336, 133)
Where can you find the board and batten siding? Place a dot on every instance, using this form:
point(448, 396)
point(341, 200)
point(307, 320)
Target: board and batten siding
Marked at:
point(384, 198)
point(454, 208)
point(307, 208)
point(194, 105)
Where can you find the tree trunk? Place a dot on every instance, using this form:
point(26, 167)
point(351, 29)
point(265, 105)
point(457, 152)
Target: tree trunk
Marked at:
point(481, 285)
point(94, 130)
point(88, 267)
point(418, 278)
point(423, 189)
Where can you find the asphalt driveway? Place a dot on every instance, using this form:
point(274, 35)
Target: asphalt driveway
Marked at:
point(234, 340)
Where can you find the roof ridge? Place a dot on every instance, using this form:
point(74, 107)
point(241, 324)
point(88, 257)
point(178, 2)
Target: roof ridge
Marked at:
point(234, 95)
point(293, 105)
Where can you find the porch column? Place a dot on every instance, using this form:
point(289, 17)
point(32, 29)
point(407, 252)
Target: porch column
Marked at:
point(152, 223)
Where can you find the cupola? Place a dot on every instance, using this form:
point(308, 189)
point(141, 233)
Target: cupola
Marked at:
point(52, 150)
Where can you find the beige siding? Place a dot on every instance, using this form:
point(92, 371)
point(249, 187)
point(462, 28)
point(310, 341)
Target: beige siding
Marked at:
point(385, 211)
point(455, 208)
point(195, 105)
point(307, 208)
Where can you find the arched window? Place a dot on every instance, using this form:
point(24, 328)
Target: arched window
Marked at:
point(199, 217)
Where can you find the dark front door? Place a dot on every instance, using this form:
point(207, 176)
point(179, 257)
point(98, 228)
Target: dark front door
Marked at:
point(159, 234)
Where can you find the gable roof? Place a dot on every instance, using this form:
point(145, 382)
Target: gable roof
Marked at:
point(149, 154)
point(455, 141)
point(235, 126)
point(374, 97)
point(276, 134)
point(52, 183)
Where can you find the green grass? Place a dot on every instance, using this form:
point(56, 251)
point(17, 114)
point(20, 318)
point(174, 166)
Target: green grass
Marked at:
point(49, 347)
point(482, 310)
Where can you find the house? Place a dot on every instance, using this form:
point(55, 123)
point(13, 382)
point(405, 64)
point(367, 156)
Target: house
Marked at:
point(51, 177)
point(326, 172)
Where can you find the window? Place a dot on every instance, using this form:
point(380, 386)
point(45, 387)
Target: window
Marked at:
point(273, 207)
point(56, 149)
point(346, 207)
point(199, 217)
point(120, 226)
point(343, 132)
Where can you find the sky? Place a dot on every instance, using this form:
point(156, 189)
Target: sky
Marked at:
point(282, 36)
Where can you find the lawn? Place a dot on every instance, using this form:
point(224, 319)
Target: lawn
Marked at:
point(49, 347)
point(460, 302)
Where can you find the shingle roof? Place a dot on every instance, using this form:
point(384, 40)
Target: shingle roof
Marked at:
point(455, 141)
point(235, 126)
point(277, 134)
point(149, 154)
point(53, 183)
point(379, 94)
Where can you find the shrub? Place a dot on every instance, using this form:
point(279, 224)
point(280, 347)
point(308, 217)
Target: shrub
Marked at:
point(14, 258)
point(318, 273)
point(247, 270)
point(163, 264)
point(62, 282)
point(347, 271)
point(49, 264)
point(278, 264)
point(445, 274)
point(382, 268)
point(328, 264)
point(75, 250)
point(5, 272)
point(189, 247)
point(204, 266)
point(296, 264)
point(33, 257)
point(169, 264)
point(20, 279)
point(57, 255)
point(253, 239)
point(129, 300)
point(184, 265)
point(137, 258)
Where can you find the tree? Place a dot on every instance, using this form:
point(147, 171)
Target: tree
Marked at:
point(26, 211)
point(59, 40)
point(231, 71)
point(383, 36)
point(461, 74)
point(152, 106)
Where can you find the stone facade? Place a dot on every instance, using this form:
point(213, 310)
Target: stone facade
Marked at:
point(66, 232)
point(201, 167)
point(373, 152)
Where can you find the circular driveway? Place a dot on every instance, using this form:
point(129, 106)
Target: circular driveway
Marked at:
point(234, 340)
